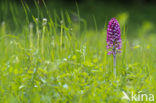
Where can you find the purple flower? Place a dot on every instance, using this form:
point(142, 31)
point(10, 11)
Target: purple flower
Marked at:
point(113, 37)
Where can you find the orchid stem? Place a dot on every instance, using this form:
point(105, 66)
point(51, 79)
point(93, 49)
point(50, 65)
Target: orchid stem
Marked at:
point(114, 60)
point(114, 57)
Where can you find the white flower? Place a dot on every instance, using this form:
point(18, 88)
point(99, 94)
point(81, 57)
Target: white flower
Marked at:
point(45, 21)
point(36, 19)
point(65, 86)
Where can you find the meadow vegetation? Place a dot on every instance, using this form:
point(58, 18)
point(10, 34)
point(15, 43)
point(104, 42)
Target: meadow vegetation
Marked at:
point(50, 57)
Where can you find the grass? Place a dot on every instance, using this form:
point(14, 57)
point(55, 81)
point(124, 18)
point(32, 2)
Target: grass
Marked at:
point(64, 61)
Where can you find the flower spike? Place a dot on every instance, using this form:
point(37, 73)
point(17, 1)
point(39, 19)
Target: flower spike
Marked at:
point(113, 40)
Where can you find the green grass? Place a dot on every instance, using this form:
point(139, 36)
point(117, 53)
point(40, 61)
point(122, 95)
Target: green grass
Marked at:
point(64, 61)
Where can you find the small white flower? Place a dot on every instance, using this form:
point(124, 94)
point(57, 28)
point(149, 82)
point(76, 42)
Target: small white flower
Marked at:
point(37, 19)
point(65, 86)
point(65, 59)
point(35, 86)
point(45, 21)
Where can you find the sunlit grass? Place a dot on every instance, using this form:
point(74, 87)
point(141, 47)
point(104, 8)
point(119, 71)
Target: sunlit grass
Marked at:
point(64, 61)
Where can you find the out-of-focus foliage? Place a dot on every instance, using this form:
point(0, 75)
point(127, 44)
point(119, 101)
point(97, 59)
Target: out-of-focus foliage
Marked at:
point(54, 57)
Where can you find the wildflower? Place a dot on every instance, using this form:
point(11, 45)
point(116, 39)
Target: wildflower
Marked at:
point(44, 21)
point(113, 37)
point(65, 86)
point(113, 40)
point(37, 20)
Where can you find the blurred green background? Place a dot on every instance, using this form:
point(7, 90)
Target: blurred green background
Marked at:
point(135, 15)
point(55, 51)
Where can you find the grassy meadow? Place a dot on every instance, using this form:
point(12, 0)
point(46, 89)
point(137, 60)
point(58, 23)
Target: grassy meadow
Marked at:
point(57, 56)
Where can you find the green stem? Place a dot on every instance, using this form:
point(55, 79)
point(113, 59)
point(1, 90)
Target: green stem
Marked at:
point(114, 60)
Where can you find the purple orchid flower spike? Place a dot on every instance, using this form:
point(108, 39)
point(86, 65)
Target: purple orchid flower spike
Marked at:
point(113, 40)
